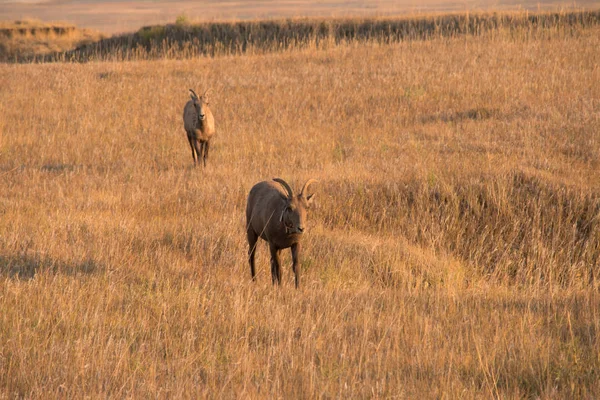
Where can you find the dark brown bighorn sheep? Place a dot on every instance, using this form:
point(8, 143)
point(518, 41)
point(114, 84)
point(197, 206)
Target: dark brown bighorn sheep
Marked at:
point(199, 125)
point(277, 216)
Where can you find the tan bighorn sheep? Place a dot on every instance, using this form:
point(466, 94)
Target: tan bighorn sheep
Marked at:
point(277, 216)
point(199, 125)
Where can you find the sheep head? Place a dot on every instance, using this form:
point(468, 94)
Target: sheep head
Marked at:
point(293, 215)
point(200, 103)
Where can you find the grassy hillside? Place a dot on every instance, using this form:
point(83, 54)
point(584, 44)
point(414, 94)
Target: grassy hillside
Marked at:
point(184, 39)
point(453, 251)
point(27, 39)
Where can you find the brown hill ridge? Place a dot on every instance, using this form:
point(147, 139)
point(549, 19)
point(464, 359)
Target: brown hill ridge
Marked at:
point(62, 42)
point(26, 39)
point(185, 40)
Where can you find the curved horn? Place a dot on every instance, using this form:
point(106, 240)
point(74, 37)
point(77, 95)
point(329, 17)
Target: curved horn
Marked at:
point(194, 93)
point(285, 186)
point(306, 185)
point(206, 92)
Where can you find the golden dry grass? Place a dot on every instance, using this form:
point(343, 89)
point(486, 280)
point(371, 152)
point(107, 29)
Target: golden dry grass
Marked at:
point(453, 251)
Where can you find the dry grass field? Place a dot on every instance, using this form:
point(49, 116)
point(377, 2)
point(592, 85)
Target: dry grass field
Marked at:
point(453, 251)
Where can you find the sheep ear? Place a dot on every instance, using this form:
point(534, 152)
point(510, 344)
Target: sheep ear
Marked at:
point(205, 96)
point(309, 199)
point(303, 192)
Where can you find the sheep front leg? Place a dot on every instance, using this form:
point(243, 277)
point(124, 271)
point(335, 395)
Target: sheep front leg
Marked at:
point(193, 150)
point(275, 265)
point(205, 152)
point(252, 239)
point(295, 262)
point(198, 147)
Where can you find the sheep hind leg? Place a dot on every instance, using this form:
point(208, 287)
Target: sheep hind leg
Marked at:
point(252, 239)
point(275, 265)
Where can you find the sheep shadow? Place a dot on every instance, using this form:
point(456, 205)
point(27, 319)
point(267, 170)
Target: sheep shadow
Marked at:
point(59, 167)
point(474, 114)
point(26, 266)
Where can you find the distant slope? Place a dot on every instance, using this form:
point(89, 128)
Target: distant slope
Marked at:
point(23, 40)
point(119, 16)
point(186, 40)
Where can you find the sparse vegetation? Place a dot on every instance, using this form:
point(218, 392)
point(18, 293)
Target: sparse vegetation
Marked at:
point(182, 20)
point(452, 252)
point(152, 34)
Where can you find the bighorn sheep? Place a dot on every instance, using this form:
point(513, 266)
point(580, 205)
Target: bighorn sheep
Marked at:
point(199, 125)
point(276, 215)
